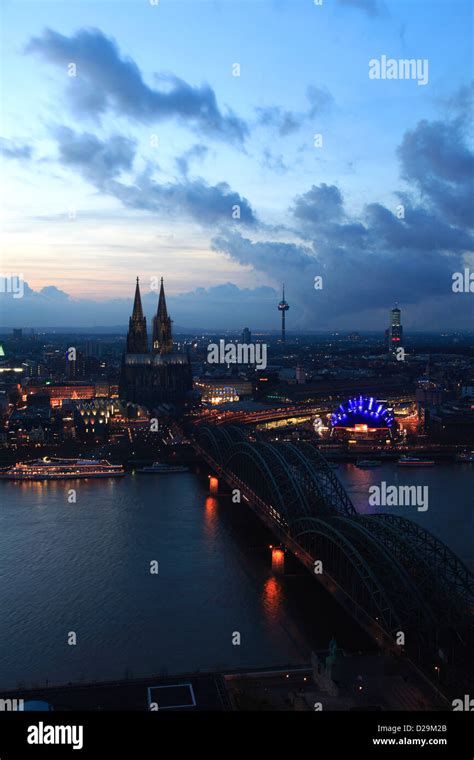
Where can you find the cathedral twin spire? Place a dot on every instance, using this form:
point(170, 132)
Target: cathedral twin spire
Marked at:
point(137, 340)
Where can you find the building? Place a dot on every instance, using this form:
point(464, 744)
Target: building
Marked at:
point(220, 390)
point(32, 424)
point(451, 423)
point(162, 375)
point(246, 336)
point(300, 374)
point(395, 331)
point(283, 307)
point(362, 418)
point(61, 392)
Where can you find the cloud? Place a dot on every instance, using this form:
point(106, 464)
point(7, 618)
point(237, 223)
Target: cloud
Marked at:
point(319, 205)
point(267, 256)
point(107, 81)
point(206, 204)
point(195, 153)
point(366, 263)
point(11, 149)
point(95, 160)
point(101, 162)
point(274, 162)
point(54, 293)
point(286, 122)
point(219, 307)
point(370, 7)
point(436, 158)
point(283, 121)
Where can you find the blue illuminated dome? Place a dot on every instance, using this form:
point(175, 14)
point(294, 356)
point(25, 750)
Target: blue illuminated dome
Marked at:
point(362, 410)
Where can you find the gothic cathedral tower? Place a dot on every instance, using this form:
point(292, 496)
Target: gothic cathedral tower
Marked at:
point(137, 341)
point(162, 337)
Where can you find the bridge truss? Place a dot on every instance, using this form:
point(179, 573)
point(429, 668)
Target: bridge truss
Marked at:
point(391, 574)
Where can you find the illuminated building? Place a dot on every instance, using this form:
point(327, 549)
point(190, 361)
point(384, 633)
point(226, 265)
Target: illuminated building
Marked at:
point(222, 390)
point(362, 418)
point(283, 307)
point(60, 392)
point(33, 424)
point(395, 331)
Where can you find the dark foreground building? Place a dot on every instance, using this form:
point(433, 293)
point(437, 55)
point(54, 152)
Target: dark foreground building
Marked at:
point(161, 375)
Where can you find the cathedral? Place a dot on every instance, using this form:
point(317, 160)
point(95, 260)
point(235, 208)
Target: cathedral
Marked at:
point(161, 375)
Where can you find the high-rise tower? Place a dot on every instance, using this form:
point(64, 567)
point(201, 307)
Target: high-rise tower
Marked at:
point(395, 331)
point(162, 336)
point(137, 340)
point(283, 307)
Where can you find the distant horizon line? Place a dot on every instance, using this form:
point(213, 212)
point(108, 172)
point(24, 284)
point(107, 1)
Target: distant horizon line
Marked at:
point(181, 330)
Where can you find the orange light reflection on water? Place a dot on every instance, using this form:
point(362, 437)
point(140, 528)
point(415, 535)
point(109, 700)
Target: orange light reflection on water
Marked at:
point(272, 598)
point(210, 516)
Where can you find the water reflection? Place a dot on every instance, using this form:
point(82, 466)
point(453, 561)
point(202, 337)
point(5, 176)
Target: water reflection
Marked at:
point(210, 516)
point(272, 598)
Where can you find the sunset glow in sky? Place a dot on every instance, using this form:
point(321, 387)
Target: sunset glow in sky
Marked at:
point(134, 164)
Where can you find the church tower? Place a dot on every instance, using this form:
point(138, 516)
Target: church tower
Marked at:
point(137, 341)
point(162, 337)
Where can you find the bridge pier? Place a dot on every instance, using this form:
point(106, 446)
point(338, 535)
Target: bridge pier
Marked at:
point(278, 560)
point(213, 484)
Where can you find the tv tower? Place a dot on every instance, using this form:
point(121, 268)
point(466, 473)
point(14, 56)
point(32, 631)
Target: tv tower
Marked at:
point(283, 307)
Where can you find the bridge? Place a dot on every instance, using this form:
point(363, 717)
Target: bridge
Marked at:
point(390, 574)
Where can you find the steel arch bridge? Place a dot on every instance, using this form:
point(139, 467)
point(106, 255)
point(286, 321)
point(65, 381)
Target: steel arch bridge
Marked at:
point(391, 574)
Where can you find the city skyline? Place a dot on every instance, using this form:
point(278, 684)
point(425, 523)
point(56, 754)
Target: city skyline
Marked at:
point(138, 158)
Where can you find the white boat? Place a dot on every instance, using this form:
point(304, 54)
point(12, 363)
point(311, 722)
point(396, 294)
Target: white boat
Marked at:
point(415, 462)
point(54, 468)
point(159, 468)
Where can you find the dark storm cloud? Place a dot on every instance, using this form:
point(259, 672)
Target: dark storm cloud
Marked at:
point(108, 81)
point(419, 229)
point(268, 256)
point(436, 158)
point(97, 161)
point(365, 264)
point(11, 149)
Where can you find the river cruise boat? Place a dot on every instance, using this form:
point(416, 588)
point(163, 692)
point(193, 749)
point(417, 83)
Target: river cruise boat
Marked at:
point(53, 468)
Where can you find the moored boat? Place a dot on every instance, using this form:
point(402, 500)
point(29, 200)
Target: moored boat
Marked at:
point(160, 468)
point(367, 464)
point(55, 468)
point(407, 461)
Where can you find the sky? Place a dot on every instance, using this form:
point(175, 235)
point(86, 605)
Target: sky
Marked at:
point(231, 146)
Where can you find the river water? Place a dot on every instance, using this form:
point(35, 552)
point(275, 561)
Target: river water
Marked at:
point(84, 568)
